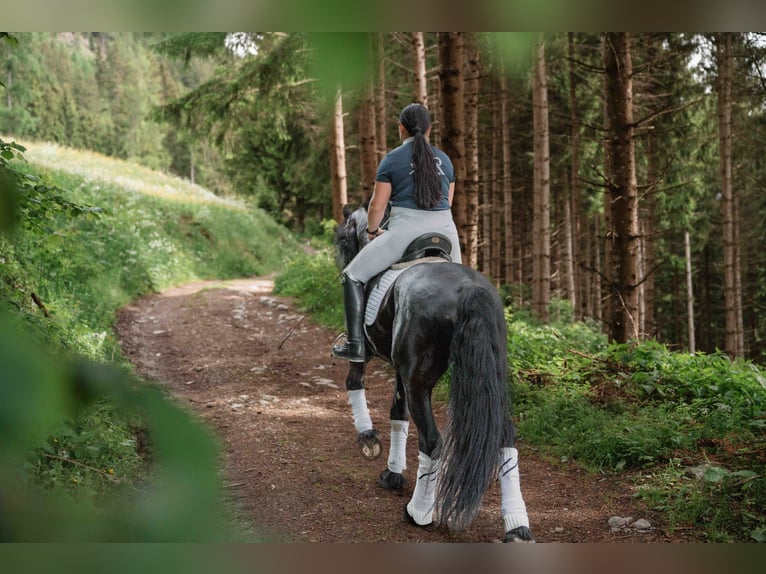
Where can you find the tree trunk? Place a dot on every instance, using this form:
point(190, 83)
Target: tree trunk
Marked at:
point(367, 152)
point(453, 122)
point(605, 248)
point(622, 188)
point(576, 297)
point(689, 293)
point(495, 206)
point(568, 281)
point(338, 160)
point(597, 300)
point(648, 208)
point(471, 188)
point(419, 55)
point(8, 84)
point(490, 151)
point(381, 142)
point(541, 231)
point(505, 197)
point(648, 251)
point(723, 43)
point(192, 175)
point(738, 278)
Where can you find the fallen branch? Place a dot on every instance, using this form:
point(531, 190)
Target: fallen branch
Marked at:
point(587, 356)
point(40, 304)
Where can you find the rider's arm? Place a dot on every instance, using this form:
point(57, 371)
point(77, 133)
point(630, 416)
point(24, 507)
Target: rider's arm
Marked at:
point(378, 203)
point(451, 192)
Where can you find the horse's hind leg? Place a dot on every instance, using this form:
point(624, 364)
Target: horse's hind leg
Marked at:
point(512, 507)
point(367, 436)
point(391, 478)
point(421, 506)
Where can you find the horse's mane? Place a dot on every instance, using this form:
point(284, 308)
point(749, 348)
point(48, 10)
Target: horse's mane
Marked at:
point(350, 235)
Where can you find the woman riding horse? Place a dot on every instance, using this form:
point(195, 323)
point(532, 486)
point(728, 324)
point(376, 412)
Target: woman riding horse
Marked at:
point(419, 181)
point(433, 317)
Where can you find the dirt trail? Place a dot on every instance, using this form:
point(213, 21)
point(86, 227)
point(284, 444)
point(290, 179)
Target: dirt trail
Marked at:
point(290, 447)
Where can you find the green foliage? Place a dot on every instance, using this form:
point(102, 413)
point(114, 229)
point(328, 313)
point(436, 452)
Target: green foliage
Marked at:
point(724, 505)
point(313, 279)
point(80, 485)
point(642, 406)
point(89, 452)
point(707, 381)
point(96, 91)
point(261, 110)
point(186, 46)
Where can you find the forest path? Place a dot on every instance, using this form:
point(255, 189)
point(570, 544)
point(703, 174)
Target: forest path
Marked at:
point(290, 452)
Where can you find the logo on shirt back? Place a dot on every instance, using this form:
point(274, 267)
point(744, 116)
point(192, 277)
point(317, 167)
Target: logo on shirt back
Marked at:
point(437, 161)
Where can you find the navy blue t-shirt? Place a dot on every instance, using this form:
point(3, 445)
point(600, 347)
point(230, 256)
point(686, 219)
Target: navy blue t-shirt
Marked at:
point(396, 169)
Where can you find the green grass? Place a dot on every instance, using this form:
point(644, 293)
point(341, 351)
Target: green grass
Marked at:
point(83, 268)
point(314, 281)
point(99, 454)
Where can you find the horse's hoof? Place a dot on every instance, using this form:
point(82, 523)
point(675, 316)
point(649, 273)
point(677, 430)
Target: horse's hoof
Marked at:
point(369, 444)
point(391, 480)
point(408, 518)
point(520, 534)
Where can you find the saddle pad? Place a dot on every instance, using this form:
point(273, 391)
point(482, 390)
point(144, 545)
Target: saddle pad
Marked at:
point(377, 293)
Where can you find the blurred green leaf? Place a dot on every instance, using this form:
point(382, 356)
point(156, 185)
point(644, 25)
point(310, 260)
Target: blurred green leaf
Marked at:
point(340, 60)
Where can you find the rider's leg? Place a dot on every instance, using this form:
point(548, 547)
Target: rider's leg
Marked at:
point(353, 302)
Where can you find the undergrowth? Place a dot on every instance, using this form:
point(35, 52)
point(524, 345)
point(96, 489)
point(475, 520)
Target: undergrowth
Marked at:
point(693, 425)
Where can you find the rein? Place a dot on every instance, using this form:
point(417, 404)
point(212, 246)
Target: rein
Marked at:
point(310, 308)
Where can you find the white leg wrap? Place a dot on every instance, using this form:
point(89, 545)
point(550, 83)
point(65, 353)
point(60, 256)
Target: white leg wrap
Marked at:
point(358, 402)
point(397, 453)
point(421, 506)
point(512, 505)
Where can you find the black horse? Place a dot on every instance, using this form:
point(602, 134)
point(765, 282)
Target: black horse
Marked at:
point(435, 316)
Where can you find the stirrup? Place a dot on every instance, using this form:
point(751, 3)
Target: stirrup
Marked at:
point(339, 340)
point(337, 347)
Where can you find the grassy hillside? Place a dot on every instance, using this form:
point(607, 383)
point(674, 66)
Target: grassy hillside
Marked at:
point(81, 436)
point(142, 231)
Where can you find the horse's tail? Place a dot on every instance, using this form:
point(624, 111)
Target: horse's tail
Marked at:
point(478, 407)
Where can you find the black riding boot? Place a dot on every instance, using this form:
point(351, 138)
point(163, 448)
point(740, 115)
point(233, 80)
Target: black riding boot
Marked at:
point(353, 301)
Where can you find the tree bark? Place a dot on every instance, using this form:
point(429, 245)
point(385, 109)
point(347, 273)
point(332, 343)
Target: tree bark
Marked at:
point(622, 188)
point(505, 197)
point(367, 143)
point(648, 260)
point(381, 142)
point(733, 344)
point(574, 232)
point(495, 233)
point(541, 230)
point(453, 122)
point(8, 85)
point(419, 56)
point(597, 298)
point(471, 188)
point(338, 160)
point(689, 293)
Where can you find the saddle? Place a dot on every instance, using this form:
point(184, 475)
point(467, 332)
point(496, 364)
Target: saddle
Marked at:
point(429, 247)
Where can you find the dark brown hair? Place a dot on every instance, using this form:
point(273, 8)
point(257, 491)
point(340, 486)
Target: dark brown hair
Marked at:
point(416, 120)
